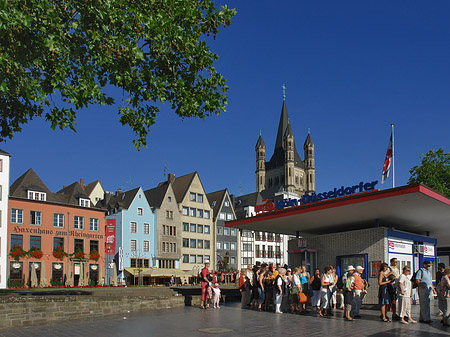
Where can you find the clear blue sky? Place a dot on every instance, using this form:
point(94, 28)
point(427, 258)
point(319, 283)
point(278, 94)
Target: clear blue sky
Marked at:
point(351, 68)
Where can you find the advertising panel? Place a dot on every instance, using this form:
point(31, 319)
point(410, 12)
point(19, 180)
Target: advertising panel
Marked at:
point(110, 235)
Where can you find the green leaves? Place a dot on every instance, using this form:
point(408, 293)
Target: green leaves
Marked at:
point(153, 50)
point(433, 172)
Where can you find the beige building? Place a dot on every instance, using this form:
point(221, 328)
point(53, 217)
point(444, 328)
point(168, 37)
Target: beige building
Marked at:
point(168, 224)
point(197, 227)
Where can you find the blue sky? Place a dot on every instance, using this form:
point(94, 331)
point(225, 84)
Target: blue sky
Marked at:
point(351, 69)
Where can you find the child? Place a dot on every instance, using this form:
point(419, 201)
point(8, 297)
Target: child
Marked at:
point(392, 292)
point(217, 296)
point(348, 295)
point(209, 296)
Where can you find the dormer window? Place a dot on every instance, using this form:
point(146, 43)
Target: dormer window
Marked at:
point(85, 202)
point(33, 195)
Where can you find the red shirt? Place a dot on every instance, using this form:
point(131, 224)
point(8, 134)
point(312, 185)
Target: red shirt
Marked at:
point(359, 283)
point(205, 272)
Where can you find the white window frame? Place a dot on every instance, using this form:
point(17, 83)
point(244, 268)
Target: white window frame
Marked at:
point(219, 244)
point(226, 244)
point(226, 203)
point(133, 227)
point(133, 245)
point(206, 214)
point(232, 245)
point(146, 228)
point(17, 215)
point(140, 211)
point(33, 195)
point(226, 231)
point(192, 258)
point(85, 202)
point(37, 217)
point(199, 197)
point(93, 224)
point(58, 223)
point(78, 222)
point(146, 245)
point(185, 211)
point(222, 216)
point(233, 231)
point(192, 196)
point(192, 211)
point(229, 216)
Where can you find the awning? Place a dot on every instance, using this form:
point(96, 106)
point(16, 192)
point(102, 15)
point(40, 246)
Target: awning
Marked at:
point(156, 272)
point(302, 250)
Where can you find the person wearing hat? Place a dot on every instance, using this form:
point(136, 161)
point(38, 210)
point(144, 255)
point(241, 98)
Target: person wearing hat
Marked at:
point(425, 287)
point(205, 279)
point(359, 287)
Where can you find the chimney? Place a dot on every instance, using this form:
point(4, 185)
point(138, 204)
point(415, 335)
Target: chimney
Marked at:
point(64, 186)
point(171, 178)
point(119, 190)
point(82, 183)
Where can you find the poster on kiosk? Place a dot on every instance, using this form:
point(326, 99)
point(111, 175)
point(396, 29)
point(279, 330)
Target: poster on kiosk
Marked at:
point(429, 252)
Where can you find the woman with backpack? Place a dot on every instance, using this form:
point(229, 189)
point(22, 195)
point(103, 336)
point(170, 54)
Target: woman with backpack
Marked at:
point(384, 297)
point(445, 293)
point(315, 284)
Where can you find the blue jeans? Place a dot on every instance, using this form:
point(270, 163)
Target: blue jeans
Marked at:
point(261, 296)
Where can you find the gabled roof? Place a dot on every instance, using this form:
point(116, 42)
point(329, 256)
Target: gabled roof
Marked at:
point(216, 200)
point(155, 196)
point(128, 197)
point(72, 193)
point(278, 156)
point(308, 141)
point(31, 181)
point(120, 200)
point(181, 185)
point(90, 187)
point(260, 143)
point(5, 153)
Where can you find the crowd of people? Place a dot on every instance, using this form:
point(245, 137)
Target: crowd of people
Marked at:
point(282, 290)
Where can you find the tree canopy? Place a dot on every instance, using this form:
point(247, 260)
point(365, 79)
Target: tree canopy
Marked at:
point(434, 171)
point(70, 51)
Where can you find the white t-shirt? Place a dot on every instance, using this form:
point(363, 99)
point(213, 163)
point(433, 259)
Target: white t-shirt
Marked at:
point(295, 280)
point(279, 281)
point(406, 283)
point(216, 292)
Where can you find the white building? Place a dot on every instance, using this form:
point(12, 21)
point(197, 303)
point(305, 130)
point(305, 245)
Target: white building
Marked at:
point(4, 193)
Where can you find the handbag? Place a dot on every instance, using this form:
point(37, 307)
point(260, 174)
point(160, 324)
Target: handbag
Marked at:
point(303, 298)
point(295, 290)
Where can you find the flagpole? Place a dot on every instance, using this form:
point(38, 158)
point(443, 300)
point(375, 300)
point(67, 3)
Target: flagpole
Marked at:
point(393, 157)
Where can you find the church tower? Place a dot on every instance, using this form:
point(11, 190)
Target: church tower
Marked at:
point(289, 172)
point(260, 149)
point(310, 170)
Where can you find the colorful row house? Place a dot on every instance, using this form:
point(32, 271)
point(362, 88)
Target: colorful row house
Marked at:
point(55, 239)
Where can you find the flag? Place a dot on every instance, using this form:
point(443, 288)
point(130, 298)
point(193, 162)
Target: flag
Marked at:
point(387, 162)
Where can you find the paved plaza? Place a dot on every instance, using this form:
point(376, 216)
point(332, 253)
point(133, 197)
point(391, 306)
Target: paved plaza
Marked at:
point(230, 320)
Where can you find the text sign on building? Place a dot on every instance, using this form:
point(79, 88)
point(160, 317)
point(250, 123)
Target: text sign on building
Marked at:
point(110, 236)
point(397, 247)
point(428, 250)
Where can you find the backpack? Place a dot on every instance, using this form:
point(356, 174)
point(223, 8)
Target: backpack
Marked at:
point(340, 282)
point(413, 280)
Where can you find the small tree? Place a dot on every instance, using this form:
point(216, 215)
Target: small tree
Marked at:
point(434, 171)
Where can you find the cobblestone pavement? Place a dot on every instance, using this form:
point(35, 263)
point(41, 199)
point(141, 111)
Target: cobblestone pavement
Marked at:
point(230, 320)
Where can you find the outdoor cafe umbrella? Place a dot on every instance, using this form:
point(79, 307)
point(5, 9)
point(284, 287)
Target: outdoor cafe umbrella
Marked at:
point(114, 276)
point(43, 283)
point(100, 275)
point(81, 279)
point(34, 281)
point(69, 277)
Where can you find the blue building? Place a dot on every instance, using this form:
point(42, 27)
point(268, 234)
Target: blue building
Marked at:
point(133, 250)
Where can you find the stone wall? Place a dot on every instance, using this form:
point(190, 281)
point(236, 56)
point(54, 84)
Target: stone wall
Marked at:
point(27, 310)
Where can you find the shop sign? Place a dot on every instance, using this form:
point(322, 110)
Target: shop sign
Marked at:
point(428, 250)
point(397, 247)
point(374, 268)
point(268, 206)
point(77, 269)
point(120, 258)
point(110, 235)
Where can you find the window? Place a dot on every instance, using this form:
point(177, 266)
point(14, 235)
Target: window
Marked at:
point(93, 245)
point(233, 231)
point(169, 214)
point(169, 198)
point(199, 197)
point(15, 270)
point(35, 241)
point(133, 245)
point(226, 203)
point(37, 195)
point(207, 244)
point(199, 213)
point(192, 196)
point(146, 228)
point(146, 246)
point(185, 243)
point(93, 224)
point(78, 244)
point(193, 227)
point(58, 243)
point(226, 231)
point(140, 211)
point(222, 216)
point(16, 240)
point(192, 258)
point(185, 258)
point(233, 245)
point(78, 222)
point(207, 258)
point(219, 230)
point(185, 227)
point(192, 211)
point(247, 260)
point(229, 216)
point(36, 218)
point(233, 260)
point(200, 244)
point(206, 229)
point(199, 258)
point(85, 202)
point(185, 210)
point(206, 214)
point(199, 228)
point(226, 245)
point(193, 243)
point(219, 244)
point(247, 247)
point(58, 220)
point(16, 215)
point(133, 227)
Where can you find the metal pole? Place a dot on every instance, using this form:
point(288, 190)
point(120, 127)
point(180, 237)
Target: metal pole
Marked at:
point(393, 157)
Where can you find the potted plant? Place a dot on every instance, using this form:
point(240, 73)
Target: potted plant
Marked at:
point(35, 252)
point(59, 253)
point(79, 254)
point(94, 255)
point(17, 252)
